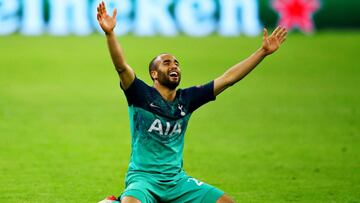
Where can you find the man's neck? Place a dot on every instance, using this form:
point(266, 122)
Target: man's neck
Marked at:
point(166, 93)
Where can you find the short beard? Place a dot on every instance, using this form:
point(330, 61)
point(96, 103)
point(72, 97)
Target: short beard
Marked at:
point(164, 80)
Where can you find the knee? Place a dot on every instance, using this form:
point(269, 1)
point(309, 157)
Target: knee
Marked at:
point(225, 199)
point(129, 199)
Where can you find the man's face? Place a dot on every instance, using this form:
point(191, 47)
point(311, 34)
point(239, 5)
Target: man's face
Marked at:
point(168, 72)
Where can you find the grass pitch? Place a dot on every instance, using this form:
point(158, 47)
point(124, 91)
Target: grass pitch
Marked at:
point(289, 132)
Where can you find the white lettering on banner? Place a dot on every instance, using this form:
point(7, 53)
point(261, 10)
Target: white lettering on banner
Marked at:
point(141, 17)
point(69, 16)
point(153, 17)
point(239, 16)
point(9, 19)
point(196, 17)
point(33, 17)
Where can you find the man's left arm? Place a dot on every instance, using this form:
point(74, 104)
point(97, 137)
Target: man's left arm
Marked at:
point(239, 71)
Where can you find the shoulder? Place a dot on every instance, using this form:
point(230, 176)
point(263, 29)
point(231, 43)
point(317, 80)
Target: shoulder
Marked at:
point(138, 92)
point(136, 84)
point(196, 96)
point(198, 89)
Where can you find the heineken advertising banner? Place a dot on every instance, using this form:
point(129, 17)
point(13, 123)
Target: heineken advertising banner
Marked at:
point(173, 17)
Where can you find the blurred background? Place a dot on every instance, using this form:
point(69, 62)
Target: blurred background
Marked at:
point(288, 132)
point(171, 17)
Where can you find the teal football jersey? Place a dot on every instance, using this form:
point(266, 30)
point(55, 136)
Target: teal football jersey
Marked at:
point(158, 127)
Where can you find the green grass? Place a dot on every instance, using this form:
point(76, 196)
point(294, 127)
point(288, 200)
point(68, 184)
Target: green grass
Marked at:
point(289, 132)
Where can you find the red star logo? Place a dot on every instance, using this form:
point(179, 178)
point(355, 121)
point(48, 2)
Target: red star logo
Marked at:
point(296, 13)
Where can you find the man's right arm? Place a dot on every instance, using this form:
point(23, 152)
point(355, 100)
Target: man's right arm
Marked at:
point(125, 72)
point(108, 23)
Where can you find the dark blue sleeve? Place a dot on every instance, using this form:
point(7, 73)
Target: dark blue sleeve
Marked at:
point(136, 93)
point(200, 95)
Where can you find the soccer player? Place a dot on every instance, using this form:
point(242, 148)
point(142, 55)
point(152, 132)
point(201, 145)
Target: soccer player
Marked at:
point(158, 119)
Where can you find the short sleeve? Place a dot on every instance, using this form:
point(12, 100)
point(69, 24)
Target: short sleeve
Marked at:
point(136, 92)
point(200, 95)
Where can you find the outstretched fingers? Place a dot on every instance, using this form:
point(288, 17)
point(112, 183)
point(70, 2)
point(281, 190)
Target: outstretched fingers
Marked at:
point(103, 7)
point(98, 15)
point(276, 31)
point(265, 34)
point(114, 13)
point(282, 35)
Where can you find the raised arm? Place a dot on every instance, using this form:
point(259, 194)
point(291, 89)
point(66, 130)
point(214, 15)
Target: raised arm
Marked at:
point(108, 23)
point(239, 71)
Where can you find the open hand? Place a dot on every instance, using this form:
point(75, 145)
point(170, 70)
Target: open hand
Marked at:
point(106, 22)
point(272, 43)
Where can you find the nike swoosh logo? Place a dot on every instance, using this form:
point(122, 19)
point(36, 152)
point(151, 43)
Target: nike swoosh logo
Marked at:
point(153, 105)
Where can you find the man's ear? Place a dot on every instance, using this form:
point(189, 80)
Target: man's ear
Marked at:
point(154, 74)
